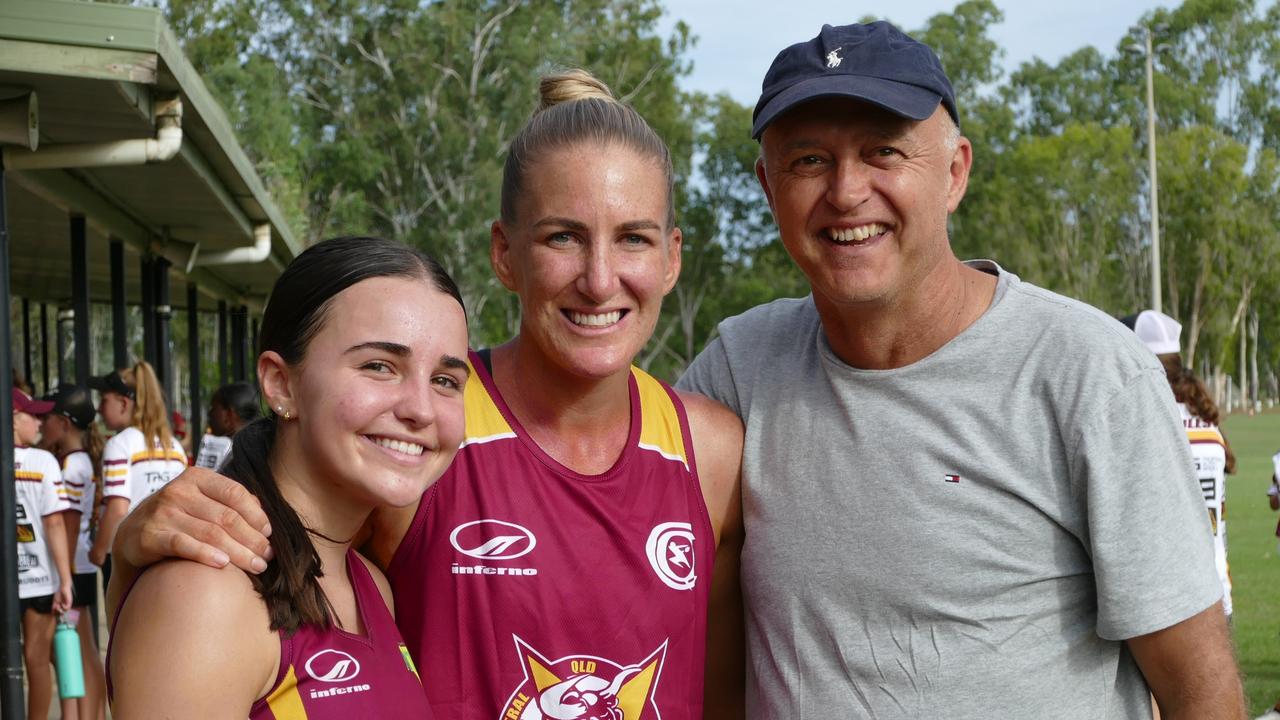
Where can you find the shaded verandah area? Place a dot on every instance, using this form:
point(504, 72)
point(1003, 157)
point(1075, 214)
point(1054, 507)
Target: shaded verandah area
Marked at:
point(125, 197)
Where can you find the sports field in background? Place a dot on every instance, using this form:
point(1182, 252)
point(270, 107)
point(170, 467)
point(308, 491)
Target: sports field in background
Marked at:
point(1251, 551)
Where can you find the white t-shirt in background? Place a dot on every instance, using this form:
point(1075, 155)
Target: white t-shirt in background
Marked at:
point(134, 468)
point(39, 492)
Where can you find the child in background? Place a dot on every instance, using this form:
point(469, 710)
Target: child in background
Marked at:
point(42, 549)
point(68, 431)
point(141, 458)
point(231, 408)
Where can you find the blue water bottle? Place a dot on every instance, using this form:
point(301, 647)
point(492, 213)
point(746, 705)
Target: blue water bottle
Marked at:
point(66, 647)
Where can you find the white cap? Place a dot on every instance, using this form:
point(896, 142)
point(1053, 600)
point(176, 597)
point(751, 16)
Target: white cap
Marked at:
point(1158, 331)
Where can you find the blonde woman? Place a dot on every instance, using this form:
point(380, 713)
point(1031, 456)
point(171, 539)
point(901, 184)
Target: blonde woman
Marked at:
point(579, 557)
point(143, 455)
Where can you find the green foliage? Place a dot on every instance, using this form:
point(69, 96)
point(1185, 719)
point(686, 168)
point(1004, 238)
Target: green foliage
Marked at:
point(960, 39)
point(392, 117)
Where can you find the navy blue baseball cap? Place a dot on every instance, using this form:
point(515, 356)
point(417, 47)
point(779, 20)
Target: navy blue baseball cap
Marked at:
point(875, 62)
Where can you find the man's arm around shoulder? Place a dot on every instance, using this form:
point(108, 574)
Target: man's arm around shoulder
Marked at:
point(1191, 668)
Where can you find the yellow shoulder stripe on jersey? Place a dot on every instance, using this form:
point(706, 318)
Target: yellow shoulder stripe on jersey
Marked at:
point(117, 473)
point(1205, 435)
point(659, 421)
point(157, 454)
point(484, 421)
point(27, 475)
point(285, 703)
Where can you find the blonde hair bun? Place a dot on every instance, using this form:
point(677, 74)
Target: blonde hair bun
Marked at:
point(570, 86)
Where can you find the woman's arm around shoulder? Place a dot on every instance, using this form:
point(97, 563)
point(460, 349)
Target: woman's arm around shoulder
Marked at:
point(191, 641)
point(717, 445)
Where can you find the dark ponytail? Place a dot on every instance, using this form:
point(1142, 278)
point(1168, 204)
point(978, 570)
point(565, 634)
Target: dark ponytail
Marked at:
point(296, 312)
point(292, 575)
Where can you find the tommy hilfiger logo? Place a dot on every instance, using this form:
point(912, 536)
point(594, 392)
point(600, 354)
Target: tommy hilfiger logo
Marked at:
point(951, 478)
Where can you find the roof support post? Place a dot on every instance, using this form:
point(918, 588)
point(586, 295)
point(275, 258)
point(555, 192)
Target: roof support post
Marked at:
point(164, 311)
point(119, 329)
point(195, 425)
point(252, 349)
point(239, 339)
point(60, 334)
point(44, 349)
point(224, 366)
point(80, 299)
point(12, 703)
point(148, 310)
point(26, 341)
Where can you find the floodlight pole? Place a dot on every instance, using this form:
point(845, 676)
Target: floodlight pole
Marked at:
point(1151, 163)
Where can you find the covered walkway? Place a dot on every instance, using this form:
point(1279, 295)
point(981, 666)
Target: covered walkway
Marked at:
point(124, 196)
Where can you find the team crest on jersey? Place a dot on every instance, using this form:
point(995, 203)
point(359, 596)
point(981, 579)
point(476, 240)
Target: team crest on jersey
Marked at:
point(670, 553)
point(584, 687)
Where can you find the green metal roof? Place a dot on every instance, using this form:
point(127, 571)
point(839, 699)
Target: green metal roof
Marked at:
point(95, 68)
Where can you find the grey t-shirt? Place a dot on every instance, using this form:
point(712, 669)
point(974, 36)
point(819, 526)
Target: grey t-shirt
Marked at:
point(969, 536)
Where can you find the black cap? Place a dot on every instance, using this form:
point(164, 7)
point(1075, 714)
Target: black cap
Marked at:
point(112, 382)
point(875, 62)
point(74, 403)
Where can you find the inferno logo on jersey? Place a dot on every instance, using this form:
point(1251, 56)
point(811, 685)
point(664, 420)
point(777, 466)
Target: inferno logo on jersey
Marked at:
point(492, 540)
point(670, 553)
point(584, 687)
point(332, 666)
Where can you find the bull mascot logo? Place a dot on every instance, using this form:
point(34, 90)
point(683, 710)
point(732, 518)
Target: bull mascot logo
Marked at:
point(581, 687)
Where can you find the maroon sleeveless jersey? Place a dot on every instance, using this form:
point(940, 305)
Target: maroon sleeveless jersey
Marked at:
point(336, 675)
point(529, 591)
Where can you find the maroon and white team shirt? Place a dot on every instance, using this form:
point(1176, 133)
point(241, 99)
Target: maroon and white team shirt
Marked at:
point(39, 493)
point(525, 590)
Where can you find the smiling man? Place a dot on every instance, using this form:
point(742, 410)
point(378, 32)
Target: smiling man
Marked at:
point(964, 496)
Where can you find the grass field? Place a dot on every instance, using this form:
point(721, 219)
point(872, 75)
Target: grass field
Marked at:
point(1251, 551)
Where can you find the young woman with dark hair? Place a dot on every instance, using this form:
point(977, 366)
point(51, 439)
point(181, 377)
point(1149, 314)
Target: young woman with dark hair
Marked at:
point(367, 410)
point(579, 559)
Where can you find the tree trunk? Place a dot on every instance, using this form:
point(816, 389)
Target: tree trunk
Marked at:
point(1257, 390)
point(1197, 298)
point(1243, 364)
